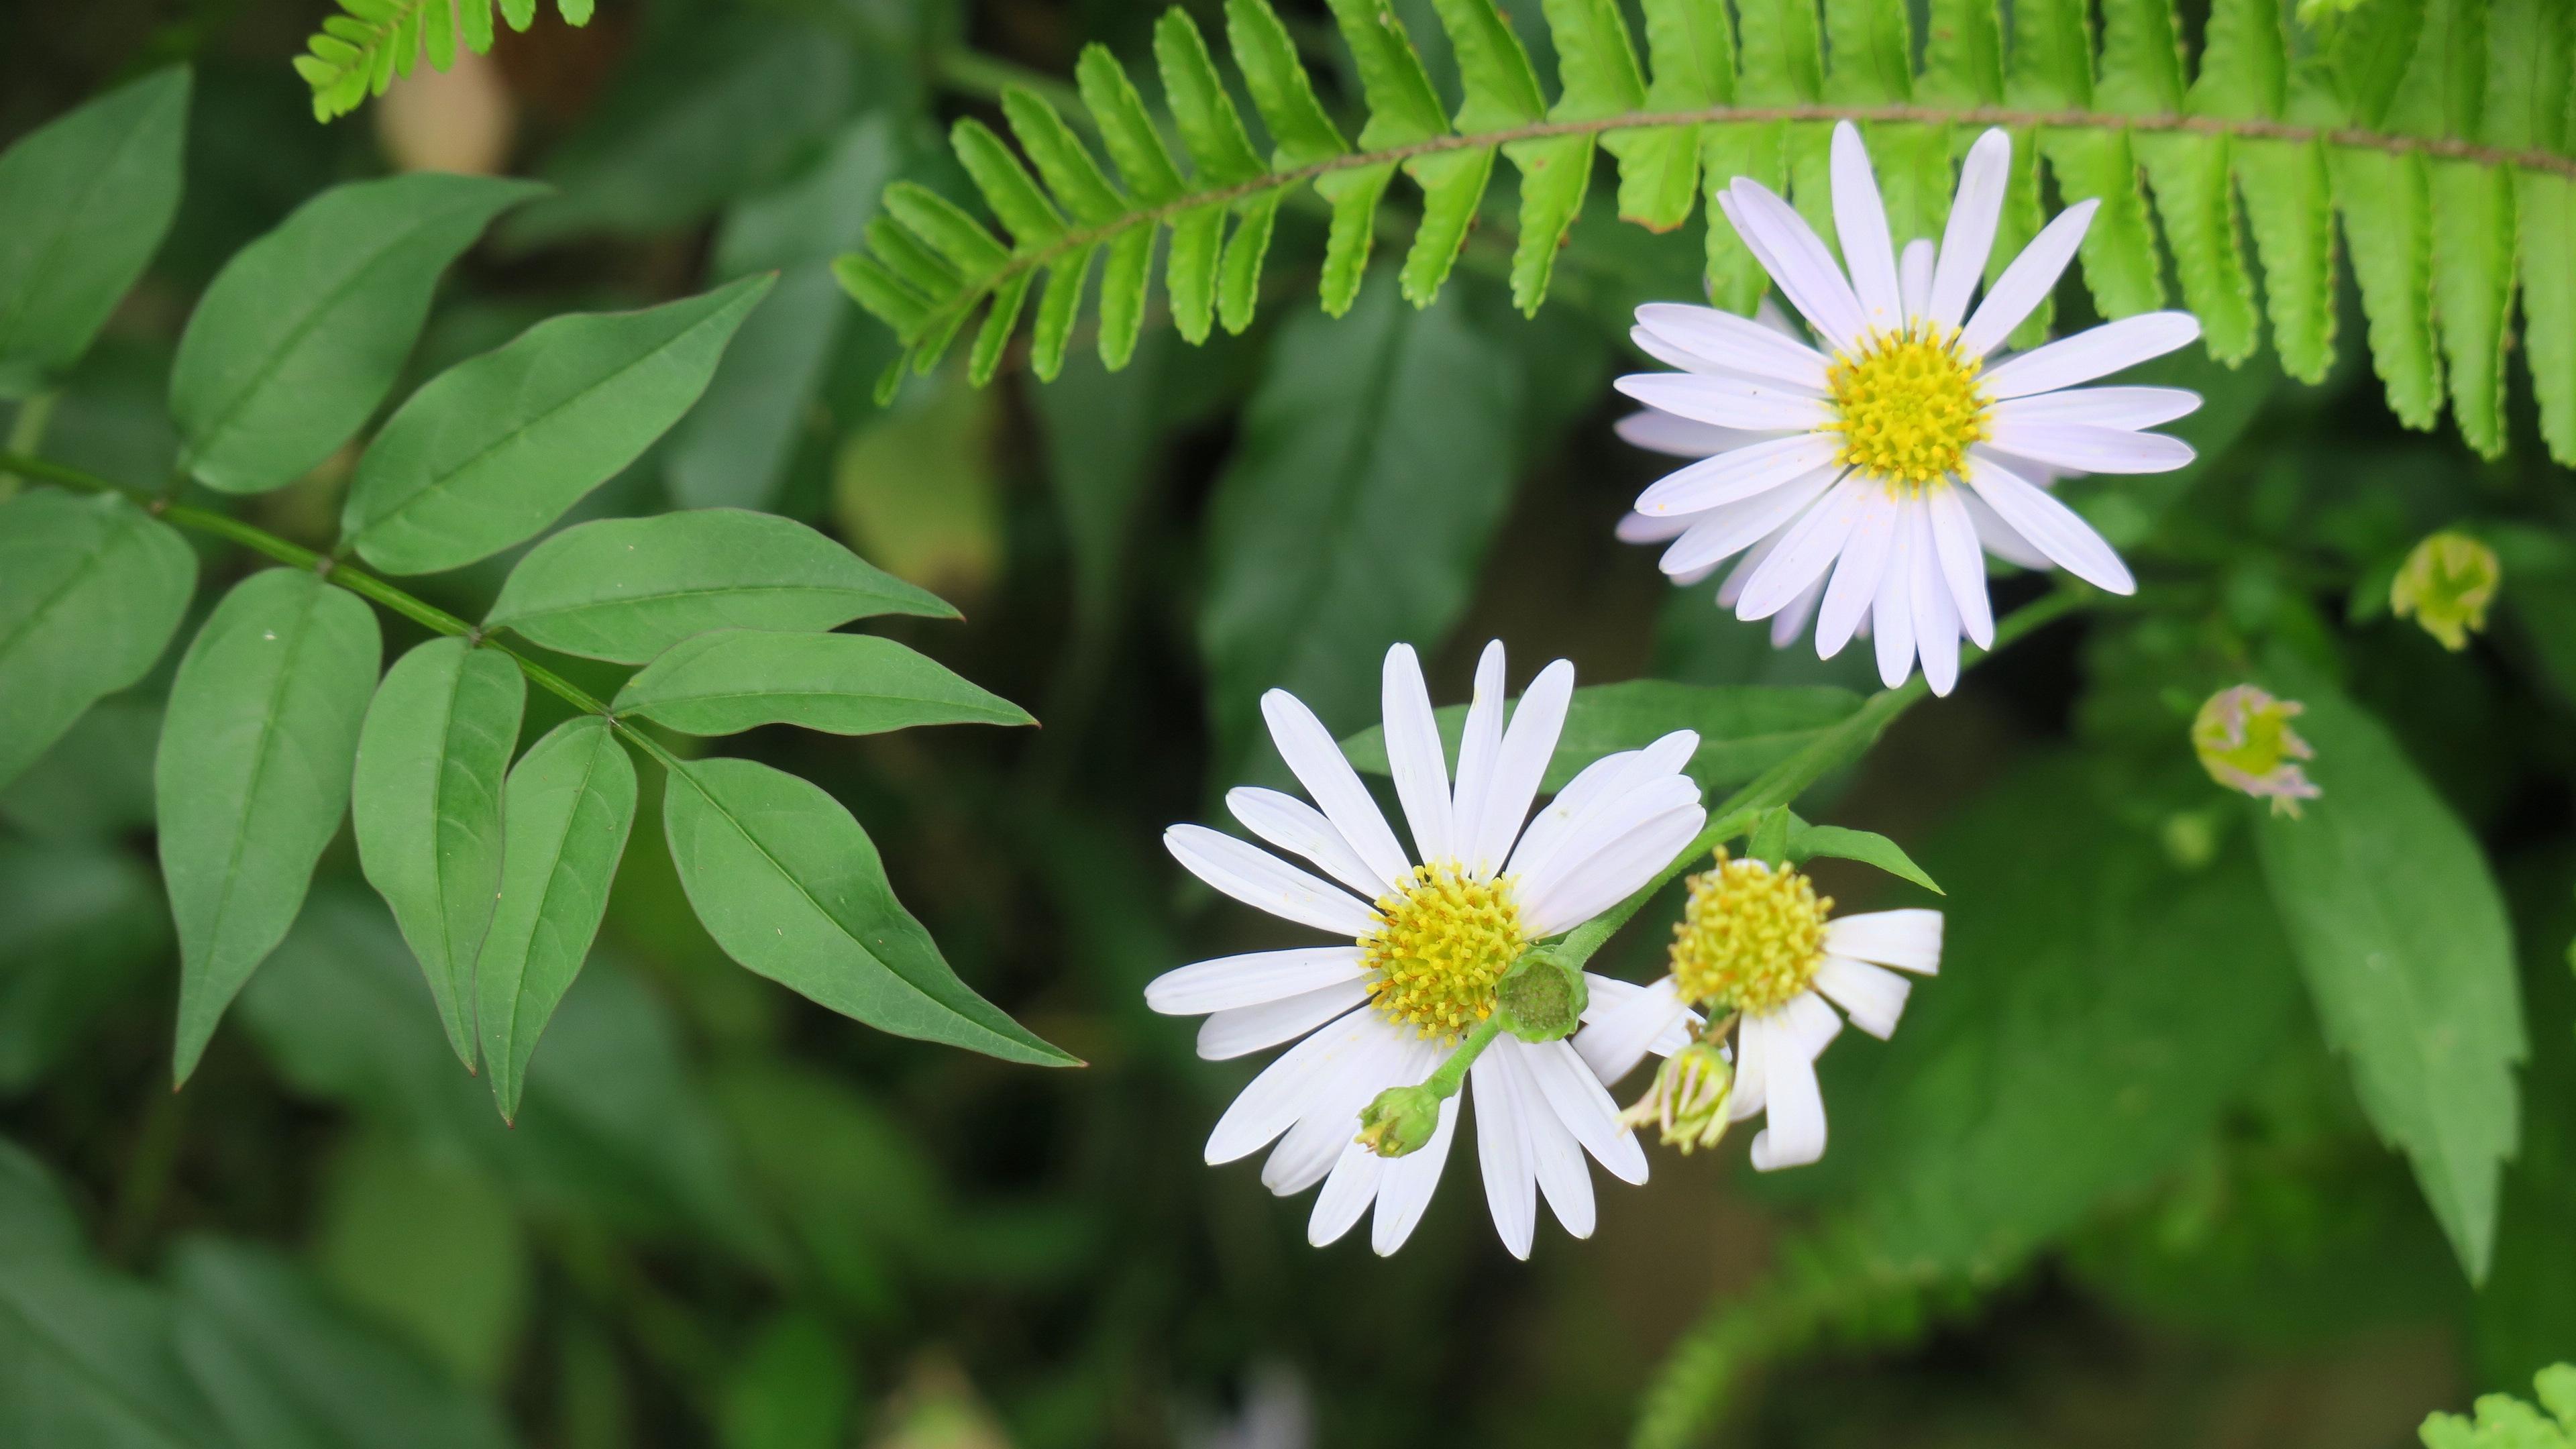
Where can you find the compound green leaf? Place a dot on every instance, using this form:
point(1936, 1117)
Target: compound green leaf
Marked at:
point(565, 814)
point(494, 449)
point(847, 684)
point(792, 888)
point(302, 333)
point(91, 589)
point(253, 774)
point(627, 589)
point(426, 804)
point(2472, 261)
point(88, 197)
point(2284, 187)
point(2387, 208)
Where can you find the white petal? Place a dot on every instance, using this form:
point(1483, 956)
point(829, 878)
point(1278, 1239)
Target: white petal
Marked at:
point(1792, 621)
point(1347, 1194)
point(2092, 449)
point(1240, 1029)
point(1329, 1120)
point(2051, 526)
point(1936, 618)
point(1728, 402)
point(1502, 1154)
point(2027, 281)
point(1954, 543)
point(1809, 1024)
point(1663, 433)
point(1602, 785)
point(1415, 756)
point(1293, 825)
point(2102, 407)
point(1862, 563)
point(1970, 236)
point(1588, 888)
point(1806, 549)
point(1796, 258)
point(1584, 1106)
point(1860, 219)
point(1909, 940)
point(2094, 352)
point(1874, 995)
point(1732, 589)
point(1281, 1094)
point(1793, 1132)
point(1756, 1044)
point(1735, 526)
point(1620, 1027)
point(1250, 979)
point(1556, 1159)
point(1738, 344)
point(1653, 528)
point(1602, 825)
point(1729, 477)
point(1478, 747)
point(1528, 745)
point(1265, 882)
point(1408, 1184)
point(1914, 278)
point(1892, 611)
point(1318, 765)
point(1998, 537)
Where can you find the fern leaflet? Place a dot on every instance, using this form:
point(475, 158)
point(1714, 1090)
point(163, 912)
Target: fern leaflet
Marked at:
point(358, 53)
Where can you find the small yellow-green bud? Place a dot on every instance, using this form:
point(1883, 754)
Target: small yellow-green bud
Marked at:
point(2245, 742)
point(2445, 585)
point(1542, 997)
point(1689, 1098)
point(1399, 1121)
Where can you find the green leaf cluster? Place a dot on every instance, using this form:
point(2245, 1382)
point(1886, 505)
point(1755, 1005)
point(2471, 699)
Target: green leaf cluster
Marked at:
point(2434, 134)
point(357, 53)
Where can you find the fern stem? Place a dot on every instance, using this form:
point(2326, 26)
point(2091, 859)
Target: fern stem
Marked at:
point(1074, 240)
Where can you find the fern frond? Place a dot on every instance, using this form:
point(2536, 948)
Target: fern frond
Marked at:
point(358, 53)
point(2436, 130)
point(2505, 1422)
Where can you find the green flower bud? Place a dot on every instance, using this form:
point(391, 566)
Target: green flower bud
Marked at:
point(2245, 742)
point(2445, 585)
point(1401, 1120)
point(1542, 997)
point(1689, 1098)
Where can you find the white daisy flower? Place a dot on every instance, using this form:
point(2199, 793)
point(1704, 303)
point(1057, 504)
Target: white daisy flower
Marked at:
point(1861, 481)
point(1425, 938)
point(1758, 950)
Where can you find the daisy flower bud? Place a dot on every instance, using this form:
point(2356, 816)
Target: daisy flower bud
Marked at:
point(2245, 742)
point(1399, 1120)
point(2445, 585)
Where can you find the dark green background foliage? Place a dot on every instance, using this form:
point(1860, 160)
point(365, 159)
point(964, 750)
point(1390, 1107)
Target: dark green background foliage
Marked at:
point(2214, 1129)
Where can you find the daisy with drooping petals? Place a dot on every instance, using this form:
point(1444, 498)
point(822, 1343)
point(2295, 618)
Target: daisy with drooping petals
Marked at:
point(1758, 950)
point(1425, 938)
point(1860, 481)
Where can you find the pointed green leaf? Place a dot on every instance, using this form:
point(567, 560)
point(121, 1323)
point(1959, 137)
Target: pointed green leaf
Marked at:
point(1238, 284)
point(2473, 244)
point(1783, 53)
point(1124, 281)
point(627, 589)
point(426, 803)
point(946, 228)
point(301, 334)
point(1210, 129)
point(1963, 54)
point(792, 888)
point(91, 589)
point(1692, 46)
point(2196, 199)
point(2051, 61)
point(999, 321)
point(911, 262)
point(1126, 128)
point(494, 449)
point(1453, 184)
point(253, 774)
point(88, 196)
point(2283, 184)
point(1281, 89)
point(1058, 307)
point(1402, 106)
point(2141, 59)
point(2121, 266)
point(1555, 176)
point(1006, 185)
point(1873, 53)
point(2401, 933)
point(565, 814)
point(2387, 206)
point(1354, 195)
point(847, 684)
point(1494, 70)
point(873, 286)
point(1189, 272)
point(2545, 220)
point(1063, 162)
point(2528, 45)
point(1806, 842)
point(2244, 61)
point(2373, 48)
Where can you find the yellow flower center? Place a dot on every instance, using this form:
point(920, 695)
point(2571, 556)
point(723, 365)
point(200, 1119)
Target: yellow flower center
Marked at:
point(1907, 407)
point(1440, 945)
point(1750, 938)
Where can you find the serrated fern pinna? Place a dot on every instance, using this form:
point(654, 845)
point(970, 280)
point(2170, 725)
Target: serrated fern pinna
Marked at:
point(2438, 129)
point(359, 52)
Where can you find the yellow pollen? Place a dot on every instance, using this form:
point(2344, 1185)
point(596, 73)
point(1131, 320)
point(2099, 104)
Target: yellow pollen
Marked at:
point(1440, 945)
point(1907, 407)
point(1750, 938)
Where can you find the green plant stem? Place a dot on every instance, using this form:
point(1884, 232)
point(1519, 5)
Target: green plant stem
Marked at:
point(1449, 1076)
point(365, 585)
point(27, 433)
point(1785, 781)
